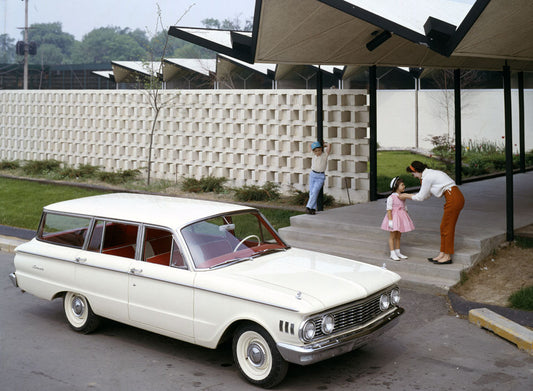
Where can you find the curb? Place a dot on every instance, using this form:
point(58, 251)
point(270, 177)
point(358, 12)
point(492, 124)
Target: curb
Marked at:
point(509, 330)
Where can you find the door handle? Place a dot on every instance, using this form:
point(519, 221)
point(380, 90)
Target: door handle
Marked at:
point(81, 259)
point(135, 271)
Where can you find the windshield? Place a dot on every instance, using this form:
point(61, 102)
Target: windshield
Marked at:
point(238, 237)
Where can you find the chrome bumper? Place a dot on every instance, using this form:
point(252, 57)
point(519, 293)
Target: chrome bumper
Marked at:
point(13, 278)
point(319, 351)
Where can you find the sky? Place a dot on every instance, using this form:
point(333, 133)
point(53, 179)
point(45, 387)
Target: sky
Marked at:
point(78, 17)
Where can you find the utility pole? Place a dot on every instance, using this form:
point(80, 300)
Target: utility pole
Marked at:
point(26, 45)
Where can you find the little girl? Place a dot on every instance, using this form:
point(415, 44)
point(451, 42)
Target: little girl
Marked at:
point(396, 220)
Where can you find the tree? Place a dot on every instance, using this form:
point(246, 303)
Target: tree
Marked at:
point(153, 84)
point(229, 24)
point(444, 81)
point(53, 45)
point(7, 49)
point(106, 44)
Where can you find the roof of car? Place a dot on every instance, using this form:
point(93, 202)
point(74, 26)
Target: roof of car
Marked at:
point(172, 212)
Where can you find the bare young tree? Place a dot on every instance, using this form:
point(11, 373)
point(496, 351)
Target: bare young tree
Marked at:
point(153, 80)
point(444, 80)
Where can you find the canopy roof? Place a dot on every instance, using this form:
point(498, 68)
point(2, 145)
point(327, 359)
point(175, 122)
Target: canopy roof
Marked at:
point(187, 67)
point(330, 32)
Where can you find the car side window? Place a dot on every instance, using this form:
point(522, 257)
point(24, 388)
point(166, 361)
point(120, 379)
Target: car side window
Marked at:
point(114, 238)
point(64, 230)
point(159, 247)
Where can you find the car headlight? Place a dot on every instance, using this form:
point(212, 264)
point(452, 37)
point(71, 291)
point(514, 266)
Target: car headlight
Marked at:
point(328, 324)
point(395, 296)
point(384, 302)
point(308, 330)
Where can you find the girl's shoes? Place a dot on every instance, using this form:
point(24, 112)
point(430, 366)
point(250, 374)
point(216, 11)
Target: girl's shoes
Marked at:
point(399, 254)
point(393, 256)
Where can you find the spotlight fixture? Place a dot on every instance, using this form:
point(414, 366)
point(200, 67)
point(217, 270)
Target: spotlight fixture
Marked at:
point(378, 40)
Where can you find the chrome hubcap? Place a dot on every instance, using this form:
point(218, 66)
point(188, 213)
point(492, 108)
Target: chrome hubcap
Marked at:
point(78, 306)
point(256, 354)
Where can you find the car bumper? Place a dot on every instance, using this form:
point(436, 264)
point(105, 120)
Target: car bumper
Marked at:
point(13, 278)
point(344, 343)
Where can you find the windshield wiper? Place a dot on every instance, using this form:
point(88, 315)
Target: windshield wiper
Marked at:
point(269, 250)
point(231, 262)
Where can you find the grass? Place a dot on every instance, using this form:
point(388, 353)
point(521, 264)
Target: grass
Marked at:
point(22, 202)
point(523, 299)
point(393, 163)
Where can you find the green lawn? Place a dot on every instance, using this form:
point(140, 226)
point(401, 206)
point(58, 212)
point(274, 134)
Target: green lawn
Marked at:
point(21, 203)
point(393, 163)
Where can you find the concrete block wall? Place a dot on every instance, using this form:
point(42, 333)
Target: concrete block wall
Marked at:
point(247, 136)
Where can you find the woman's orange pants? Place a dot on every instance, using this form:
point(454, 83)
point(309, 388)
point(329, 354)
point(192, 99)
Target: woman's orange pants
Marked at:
point(452, 207)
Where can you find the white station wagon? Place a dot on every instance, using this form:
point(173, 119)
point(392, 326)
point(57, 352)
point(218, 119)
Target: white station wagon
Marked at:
point(204, 272)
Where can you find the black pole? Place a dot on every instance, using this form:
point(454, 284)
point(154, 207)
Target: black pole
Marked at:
point(458, 142)
point(508, 153)
point(373, 123)
point(521, 122)
point(320, 127)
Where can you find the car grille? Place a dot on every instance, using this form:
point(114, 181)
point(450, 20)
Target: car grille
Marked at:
point(352, 315)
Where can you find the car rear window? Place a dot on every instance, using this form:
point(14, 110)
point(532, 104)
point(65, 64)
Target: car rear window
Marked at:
point(64, 229)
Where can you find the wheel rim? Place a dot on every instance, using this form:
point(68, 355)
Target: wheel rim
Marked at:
point(254, 355)
point(76, 309)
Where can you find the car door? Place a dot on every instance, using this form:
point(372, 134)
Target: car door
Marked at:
point(103, 269)
point(161, 286)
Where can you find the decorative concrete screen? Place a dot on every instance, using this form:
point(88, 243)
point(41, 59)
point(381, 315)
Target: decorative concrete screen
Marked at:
point(247, 136)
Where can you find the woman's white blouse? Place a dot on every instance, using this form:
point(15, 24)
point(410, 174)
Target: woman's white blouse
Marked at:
point(434, 182)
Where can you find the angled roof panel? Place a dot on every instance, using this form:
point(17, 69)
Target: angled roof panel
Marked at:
point(237, 44)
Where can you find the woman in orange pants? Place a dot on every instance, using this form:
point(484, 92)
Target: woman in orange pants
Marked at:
point(438, 183)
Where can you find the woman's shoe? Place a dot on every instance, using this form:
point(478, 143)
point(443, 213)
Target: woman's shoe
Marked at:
point(448, 262)
point(431, 260)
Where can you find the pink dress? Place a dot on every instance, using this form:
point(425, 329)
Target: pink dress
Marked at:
point(400, 218)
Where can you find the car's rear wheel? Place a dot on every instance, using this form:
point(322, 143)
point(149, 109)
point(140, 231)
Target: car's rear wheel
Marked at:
point(257, 357)
point(79, 314)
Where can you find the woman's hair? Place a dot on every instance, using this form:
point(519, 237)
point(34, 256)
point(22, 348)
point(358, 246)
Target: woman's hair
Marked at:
point(416, 166)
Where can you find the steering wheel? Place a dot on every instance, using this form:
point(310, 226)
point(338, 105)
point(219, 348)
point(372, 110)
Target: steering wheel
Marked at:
point(245, 239)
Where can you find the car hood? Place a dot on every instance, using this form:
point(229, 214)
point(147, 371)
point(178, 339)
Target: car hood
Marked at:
point(301, 280)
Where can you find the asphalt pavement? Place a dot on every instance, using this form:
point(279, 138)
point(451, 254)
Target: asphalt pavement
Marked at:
point(431, 349)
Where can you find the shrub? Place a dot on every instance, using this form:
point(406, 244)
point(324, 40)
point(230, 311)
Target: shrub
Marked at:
point(41, 167)
point(9, 165)
point(268, 192)
point(121, 176)
point(476, 166)
point(300, 198)
point(203, 185)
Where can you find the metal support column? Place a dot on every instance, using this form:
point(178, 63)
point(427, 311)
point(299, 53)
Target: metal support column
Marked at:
point(320, 127)
point(373, 176)
point(508, 153)
point(457, 114)
point(521, 122)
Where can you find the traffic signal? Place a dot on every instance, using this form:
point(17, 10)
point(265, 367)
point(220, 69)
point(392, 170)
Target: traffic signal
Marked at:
point(32, 48)
point(20, 48)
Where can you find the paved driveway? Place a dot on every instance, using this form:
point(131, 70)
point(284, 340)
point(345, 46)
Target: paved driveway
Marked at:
point(430, 349)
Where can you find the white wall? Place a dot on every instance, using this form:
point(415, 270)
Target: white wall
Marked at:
point(247, 136)
point(482, 117)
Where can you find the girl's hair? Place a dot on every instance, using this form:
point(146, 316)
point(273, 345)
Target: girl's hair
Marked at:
point(416, 166)
point(395, 183)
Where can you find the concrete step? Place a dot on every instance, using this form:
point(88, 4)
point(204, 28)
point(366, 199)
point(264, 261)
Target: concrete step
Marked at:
point(416, 271)
point(345, 229)
point(415, 246)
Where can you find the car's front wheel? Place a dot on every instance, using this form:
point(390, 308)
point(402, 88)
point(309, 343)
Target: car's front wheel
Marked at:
point(79, 314)
point(257, 357)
